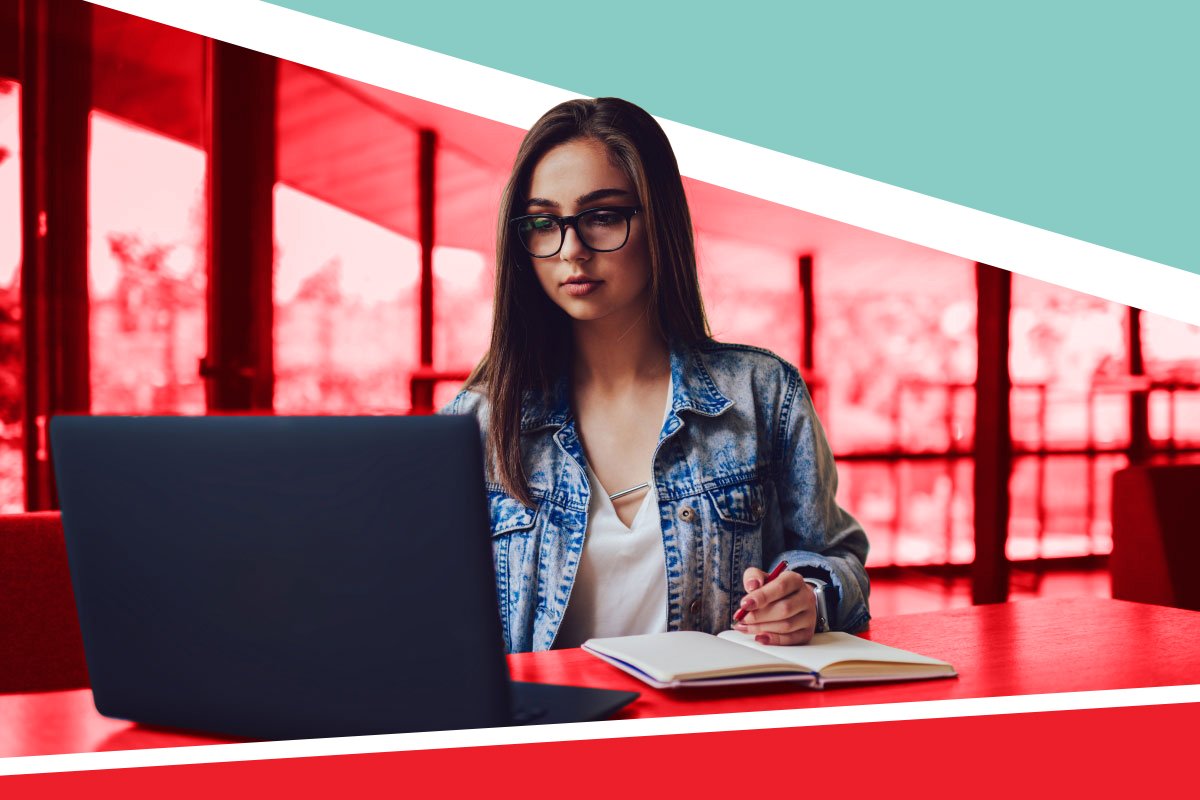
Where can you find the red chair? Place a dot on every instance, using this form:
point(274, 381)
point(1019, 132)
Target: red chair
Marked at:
point(1156, 535)
point(40, 645)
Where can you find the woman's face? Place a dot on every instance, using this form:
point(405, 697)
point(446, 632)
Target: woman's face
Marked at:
point(588, 285)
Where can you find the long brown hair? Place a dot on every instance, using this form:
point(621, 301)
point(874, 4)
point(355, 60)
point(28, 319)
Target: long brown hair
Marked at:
point(531, 340)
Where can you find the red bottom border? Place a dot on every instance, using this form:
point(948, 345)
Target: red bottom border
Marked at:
point(1137, 749)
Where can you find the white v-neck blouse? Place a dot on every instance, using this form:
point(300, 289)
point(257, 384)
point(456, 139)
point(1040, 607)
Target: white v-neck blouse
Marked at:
point(620, 586)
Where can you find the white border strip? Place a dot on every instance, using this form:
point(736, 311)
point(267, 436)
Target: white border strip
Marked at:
point(612, 729)
point(742, 167)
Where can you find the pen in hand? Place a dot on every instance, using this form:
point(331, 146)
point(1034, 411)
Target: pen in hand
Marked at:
point(775, 573)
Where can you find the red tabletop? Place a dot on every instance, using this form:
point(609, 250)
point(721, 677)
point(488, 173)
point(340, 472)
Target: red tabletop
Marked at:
point(1027, 647)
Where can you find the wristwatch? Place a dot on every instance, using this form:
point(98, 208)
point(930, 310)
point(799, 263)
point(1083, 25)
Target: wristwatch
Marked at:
point(818, 587)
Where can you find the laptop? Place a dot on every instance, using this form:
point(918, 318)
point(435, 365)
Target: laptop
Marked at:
point(292, 577)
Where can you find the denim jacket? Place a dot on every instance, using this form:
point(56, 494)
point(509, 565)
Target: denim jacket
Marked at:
point(743, 476)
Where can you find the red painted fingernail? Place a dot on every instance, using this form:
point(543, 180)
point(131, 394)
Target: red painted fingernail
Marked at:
point(762, 638)
point(748, 603)
point(753, 584)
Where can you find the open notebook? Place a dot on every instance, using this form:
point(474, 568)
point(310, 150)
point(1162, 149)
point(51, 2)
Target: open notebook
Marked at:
point(691, 658)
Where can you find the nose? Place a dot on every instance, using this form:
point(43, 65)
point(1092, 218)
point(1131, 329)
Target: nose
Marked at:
point(573, 249)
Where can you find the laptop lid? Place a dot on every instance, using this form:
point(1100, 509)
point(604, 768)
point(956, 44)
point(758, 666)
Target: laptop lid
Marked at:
point(283, 577)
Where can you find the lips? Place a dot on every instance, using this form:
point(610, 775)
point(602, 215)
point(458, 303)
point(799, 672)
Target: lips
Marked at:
point(580, 286)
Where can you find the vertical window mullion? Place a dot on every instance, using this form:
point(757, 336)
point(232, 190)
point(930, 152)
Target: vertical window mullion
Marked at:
point(241, 143)
point(993, 439)
point(56, 101)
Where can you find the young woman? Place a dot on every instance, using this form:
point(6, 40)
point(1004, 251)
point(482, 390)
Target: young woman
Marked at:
point(642, 477)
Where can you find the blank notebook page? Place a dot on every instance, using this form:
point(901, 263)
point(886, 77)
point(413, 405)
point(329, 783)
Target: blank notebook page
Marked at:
point(831, 648)
point(687, 654)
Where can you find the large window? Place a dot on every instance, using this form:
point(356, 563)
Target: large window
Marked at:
point(147, 231)
point(146, 270)
point(348, 213)
point(751, 293)
point(471, 171)
point(1172, 355)
point(345, 310)
point(1070, 419)
point(462, 320)
point(12, 383)
point(895, 354)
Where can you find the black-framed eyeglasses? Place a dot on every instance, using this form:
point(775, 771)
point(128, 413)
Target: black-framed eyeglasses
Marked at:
point(601, 230)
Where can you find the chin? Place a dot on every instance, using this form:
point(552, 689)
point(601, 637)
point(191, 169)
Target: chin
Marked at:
point(585, 312)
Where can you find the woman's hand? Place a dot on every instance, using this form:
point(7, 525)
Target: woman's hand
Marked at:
point(783, 611)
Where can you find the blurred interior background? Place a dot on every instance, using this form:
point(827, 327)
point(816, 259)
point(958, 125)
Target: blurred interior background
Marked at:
point(223, 231)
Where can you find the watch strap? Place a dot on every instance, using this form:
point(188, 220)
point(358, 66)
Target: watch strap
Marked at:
point(819, 588)
point(812, 572)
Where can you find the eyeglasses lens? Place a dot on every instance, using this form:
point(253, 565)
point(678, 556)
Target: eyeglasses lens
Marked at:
point(599, 230)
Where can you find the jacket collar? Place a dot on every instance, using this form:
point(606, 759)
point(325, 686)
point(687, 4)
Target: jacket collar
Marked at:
point(692, 389)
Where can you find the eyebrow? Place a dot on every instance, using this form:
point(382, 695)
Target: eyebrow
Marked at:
point(583, 199)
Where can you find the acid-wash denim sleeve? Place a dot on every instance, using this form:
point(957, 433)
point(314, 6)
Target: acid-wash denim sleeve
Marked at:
point(469, 401)
point(459, 405)
point(817, 531)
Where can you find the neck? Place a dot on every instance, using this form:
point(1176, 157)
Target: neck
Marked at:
point(612, 355)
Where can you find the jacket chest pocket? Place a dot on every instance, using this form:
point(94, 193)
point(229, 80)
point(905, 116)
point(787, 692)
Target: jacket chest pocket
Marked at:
point(514, 553)
point(737, 511)
point(740, 505)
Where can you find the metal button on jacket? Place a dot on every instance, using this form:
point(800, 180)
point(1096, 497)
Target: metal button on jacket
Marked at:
point(686, 513)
